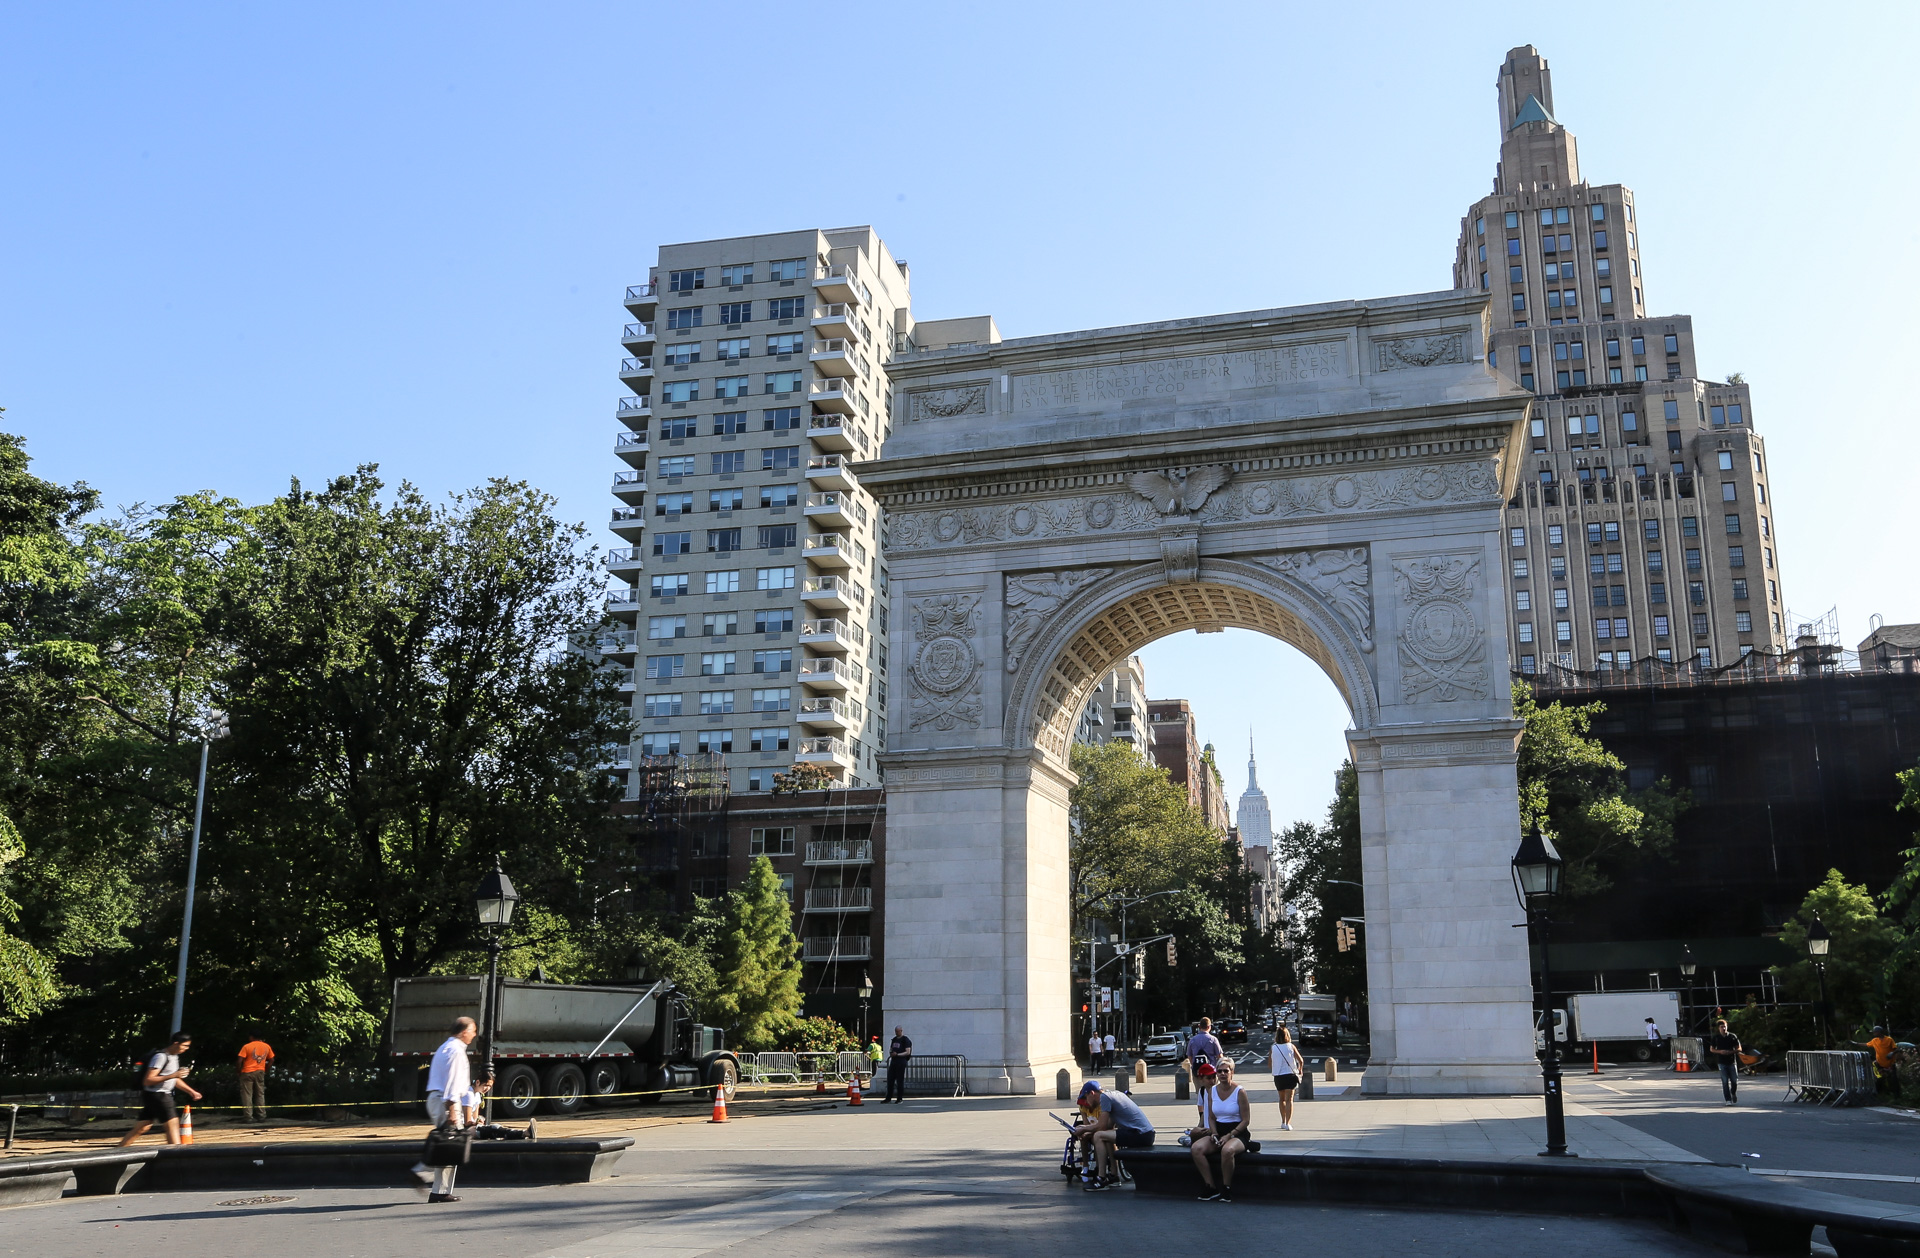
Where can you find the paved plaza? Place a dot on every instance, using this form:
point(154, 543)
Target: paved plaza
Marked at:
point(977, 1176)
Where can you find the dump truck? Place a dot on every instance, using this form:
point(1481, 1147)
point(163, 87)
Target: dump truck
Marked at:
point(561, 1045)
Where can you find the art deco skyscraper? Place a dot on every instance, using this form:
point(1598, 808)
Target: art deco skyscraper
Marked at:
point(1643, 525)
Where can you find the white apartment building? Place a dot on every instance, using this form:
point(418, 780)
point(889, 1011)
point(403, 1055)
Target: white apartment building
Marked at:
point(1117, 706)
point(750, 597)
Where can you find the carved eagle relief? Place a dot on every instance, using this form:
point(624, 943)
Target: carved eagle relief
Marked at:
point(1180, 489)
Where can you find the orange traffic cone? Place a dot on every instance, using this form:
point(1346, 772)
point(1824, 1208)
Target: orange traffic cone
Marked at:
point(1596, 1058)
point(820, 1085)
point(719, 1105)
point(853, 1092)
point(186, 1125)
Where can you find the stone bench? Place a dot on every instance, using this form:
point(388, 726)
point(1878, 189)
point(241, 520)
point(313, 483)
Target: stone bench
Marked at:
point(100, 1173)
point(373, 1164)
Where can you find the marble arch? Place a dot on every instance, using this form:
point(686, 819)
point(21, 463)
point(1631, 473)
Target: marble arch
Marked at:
point(1329, 475)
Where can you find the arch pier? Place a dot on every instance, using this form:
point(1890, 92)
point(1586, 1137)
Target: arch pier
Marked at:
point(1331, 476)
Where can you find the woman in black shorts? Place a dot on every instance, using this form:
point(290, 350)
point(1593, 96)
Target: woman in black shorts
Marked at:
point(1287, 1069)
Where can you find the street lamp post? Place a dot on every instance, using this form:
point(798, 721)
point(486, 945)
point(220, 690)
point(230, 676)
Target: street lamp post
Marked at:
point(1536, 880)
point(1126, 1008)
point(217, 730)
point(866, 994)
point(1818, 942)
point(1687, 968)
point(494, 899)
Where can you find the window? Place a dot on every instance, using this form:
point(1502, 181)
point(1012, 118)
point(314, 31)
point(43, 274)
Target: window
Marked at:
point(1603, 629)
point(729, 423)
point(780, 418)
point(1693, 559)
point(1689, 526)
point(1719, 421)
point(782, 382)
point(730, 386)
point(685, 317)
point(1773, 591)
point(1558, 565)
point(1652, 529)
point(1556, 535)
point(1733, 417)
point(672, 543)
point(1611, 529)
point(1569, 298)
point(1560, 600)
point(1733, 525)
point(716, 702)
point(1673, 343)
point(1606, 292)
point(1739, 587)
point(712, 742)
point(1672, 410)
point(686, 281)
point(1729, 492)
point(1516, 274)
point(1660, 627)
point(1596, 563)
point(778, 536)
point(662, 744)
point(1513, 220)
point(680, 391)
point(724, 499)
point(1526, 381)
point(1519, 567)
point(1629, 422)
point(1599, 595)
point(1696, 593)
point(666, 667)
point(733, 347)
point(727, 582)
point(1546, 218)
point(773, 579)
point(736, 311)
point(727, 462)
point(1593, 534)
point(772, 841)
point(1639, 373)
point(1657, 592)
point(718, 664)
point(1513, 248)
point(662, 705)
point(1563, 631)
point(1479, 226)
point(1603, 267)
point(722, 540)
point(779, 495)
point(676, 465)
point(683, 354)
point(780, 661)
point(786, 343)
point(787, 269)
point(1600, 240)
point(1523, 600)
point(1699, 624)
point(767, 739)
point(779, 457)
point(1539, 427)
point(719, 624)
point(787, 308)
point(740, 274)
point(660, 627)
point(1527, 663)
point(1525, 629)
point(1518, 536)
point(1526, 354)
point(671, 586)
point(672, 504)
point(1614, 561)
point(1519, 301)
point(778, 699)
point(1766, 531)
point(1736, 556)
point(773, 620)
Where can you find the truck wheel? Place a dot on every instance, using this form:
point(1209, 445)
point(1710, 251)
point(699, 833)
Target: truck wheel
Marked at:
point(724, 1073)
point(513, 1094)
point(1643, 1053)
point(566, 1088)
point(603, 1080)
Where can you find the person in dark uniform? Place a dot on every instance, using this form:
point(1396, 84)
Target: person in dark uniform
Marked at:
point(899, 1053)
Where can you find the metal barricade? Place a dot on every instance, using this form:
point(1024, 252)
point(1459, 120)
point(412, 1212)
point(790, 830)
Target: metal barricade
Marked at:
point(1830, 1078)
point(937, 1074)
point(851, 1064)
point(773, 1068)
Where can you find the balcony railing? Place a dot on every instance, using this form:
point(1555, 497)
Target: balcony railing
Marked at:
point(843, 852)
point(843, 948)
point(846, 672)
point(636, 404)
point(631, 365)
point(628, 513)
point(826, 707)
point(840, 502)
point(839, 899)
point(842, 276)
point(835, 628)
point(608, 641)
point(630, 478)
point(637, 332)
point(839, 587)
point(637, 291)
point(621, 556)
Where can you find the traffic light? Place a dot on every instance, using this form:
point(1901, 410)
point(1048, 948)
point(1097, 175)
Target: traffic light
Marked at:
point(1343, 933)
point(1139, 971)
point(1173, 954)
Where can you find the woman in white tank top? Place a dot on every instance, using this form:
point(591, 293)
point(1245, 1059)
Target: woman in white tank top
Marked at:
point(1227, 1112)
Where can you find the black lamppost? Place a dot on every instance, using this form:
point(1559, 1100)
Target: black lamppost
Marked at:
point(1818, 941)
point(866, 994)
point(1687, 968)
point(495, 900)
point(1536, 880)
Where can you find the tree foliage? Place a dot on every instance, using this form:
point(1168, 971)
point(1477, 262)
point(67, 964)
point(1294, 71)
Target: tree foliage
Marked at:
point(758, 998)
point(1319, 861)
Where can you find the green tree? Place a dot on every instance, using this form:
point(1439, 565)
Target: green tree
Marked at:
point(1319, 860)
point(1862, 942)
point(758, 997)
point(1575, 789)
point(1899, 984)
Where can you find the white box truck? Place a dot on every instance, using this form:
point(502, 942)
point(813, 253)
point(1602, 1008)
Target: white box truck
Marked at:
point(1617, 1021)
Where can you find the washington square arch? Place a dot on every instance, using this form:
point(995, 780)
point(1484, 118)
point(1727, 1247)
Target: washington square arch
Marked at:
point(1329, 475)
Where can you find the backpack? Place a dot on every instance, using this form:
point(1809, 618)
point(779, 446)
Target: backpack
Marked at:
point(140, 1071)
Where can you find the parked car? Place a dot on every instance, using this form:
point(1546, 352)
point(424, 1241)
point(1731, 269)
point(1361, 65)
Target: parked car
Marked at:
point(1163, 1048)
point(1233, 1031)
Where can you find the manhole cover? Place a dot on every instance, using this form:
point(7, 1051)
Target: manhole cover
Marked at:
point(254, 1201)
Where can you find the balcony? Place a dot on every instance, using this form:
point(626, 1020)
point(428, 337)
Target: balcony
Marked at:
point(838, 320)
point(624, 605)
point(616, 759)
point(631, 448)
point(616, 644)
point(624, 560)
point(629, 523)
point(831, 395)
point(637, 337)
point(831, 676)
point(829, 550)
point(846, 852)
point(841, 284)
point(637, 373)
point(830, 471)
point(623, 678)
point(839, 900)
point(829, 753)
point(630, 487)
point(841, 948)
point(833, 593)
point(836, 358)
point(832, 714)
point(835, 508)
point(836, 636)
point(634, 412)
point(643, 299)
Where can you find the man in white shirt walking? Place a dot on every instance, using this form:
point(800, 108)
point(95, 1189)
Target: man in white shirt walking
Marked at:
point(448, 1080)
point(1107, 1047)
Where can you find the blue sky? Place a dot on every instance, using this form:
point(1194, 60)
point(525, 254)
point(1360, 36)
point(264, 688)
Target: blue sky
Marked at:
point(245, 243)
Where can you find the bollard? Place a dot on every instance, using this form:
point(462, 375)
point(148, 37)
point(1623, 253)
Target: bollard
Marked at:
point(13, 1116)
point(1305, 1091)
point(1123, 1081)
point(1140, 1071)
point(1181, 1090)
point(1333, 1071)
point(1063, 1086)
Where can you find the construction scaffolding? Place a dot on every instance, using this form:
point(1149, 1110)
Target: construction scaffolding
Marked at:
point(679, 816)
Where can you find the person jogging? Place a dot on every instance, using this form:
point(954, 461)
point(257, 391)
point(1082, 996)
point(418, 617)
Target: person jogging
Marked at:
point(1287, 1069)
point(1725, 1047)
point(163, 1074)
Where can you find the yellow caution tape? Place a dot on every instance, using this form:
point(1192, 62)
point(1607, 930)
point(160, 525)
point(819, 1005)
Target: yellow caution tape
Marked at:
point(601, 1096)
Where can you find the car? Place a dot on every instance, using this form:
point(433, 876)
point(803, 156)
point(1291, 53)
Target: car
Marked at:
point(1233, 1031)
point(1163, 1047)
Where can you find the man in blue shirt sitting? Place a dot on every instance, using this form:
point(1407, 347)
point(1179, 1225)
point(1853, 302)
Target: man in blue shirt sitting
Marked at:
point(1117, 1124)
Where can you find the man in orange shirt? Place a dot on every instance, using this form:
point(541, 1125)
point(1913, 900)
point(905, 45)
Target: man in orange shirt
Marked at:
point(255, 1056)
point(1887, 1072)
